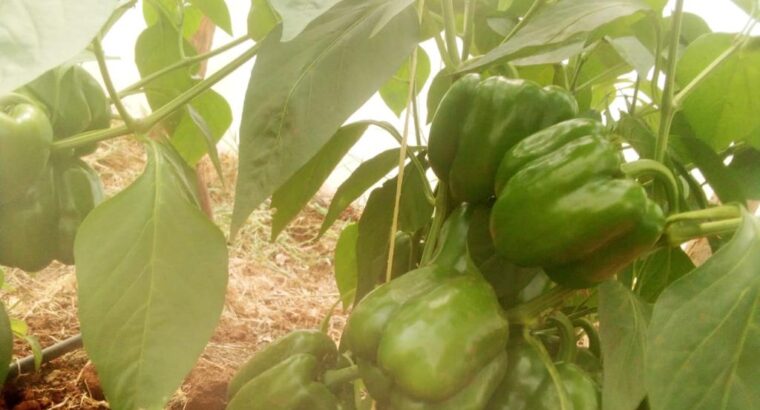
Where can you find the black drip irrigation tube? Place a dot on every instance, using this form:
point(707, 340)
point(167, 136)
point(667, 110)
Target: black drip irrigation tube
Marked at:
point(49, 353)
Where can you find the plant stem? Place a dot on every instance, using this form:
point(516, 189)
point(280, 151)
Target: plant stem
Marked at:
point(450, 30)
point(635, 100)
point(182, 63)
point(594, 343)
point(667, 109)
point(564, 401)
point(469, 25)
point(567, 347)
point(523, 21)
point(527, 313)
point(401, 161)
point(200, 87)
point(683, 232)
point(648, 167)
point(443, 52)
point(719, 212)
point(413, 158)
point(161, 113)
point(441, 210)
point(115, 100)
point(334, 378)
point(116, 16)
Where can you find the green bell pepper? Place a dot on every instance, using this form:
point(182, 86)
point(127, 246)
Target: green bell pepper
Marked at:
point(287, 375)
point(507, 279)
point(435, 337)
point(479, 120)
point(79, 191)
point(25, 138)
point(29, 226)
point(529, 386)
point(564, 205)
point(75, 100)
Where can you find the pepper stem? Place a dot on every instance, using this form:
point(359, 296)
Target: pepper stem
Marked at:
point(564, 401)
point(686, 226)
point(594, 343)
point(527, 313)
point(334, 378)
point(655, 169)
point(567, 346)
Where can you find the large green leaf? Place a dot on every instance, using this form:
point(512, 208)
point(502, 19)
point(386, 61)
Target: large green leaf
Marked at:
point(746, 169)
point(705, 331)
point(152, 273)
point(346, 267)
point(363, 178)
point(301, 91)
point(6, 343)
point(261, 19)
point(658, 270)
point(293, 195)
point(720, 177)
point(623, 321)
point(174, 13)
point(36, 36)
point(722, 109)
point(395, 92)
point(297, 14)
point(374, 225)
point(216, 11)
point(156, 48)
point(557, 24)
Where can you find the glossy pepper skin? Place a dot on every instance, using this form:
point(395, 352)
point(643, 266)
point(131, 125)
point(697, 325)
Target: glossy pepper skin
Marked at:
point(29, 226)
point(25, 138)
point(529, 386)
point(79, 191)
point(435, 338)
point(286, 375)
point(75, 100)
point(479, 120)
point(563, 204)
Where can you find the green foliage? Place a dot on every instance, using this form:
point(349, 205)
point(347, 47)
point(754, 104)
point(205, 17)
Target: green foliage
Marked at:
point(705, 331)
point(395, 92)
point(721, 110)
point(6, 343)
point(30, 48)
point(556, 25)
point(346, 265)
point(160, 267)
point(301, 91)
point(623, 319)
point(363, 178)
point(296, 191)
point(196, 130)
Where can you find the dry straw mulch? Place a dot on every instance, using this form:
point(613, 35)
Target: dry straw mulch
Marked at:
point(273, 288)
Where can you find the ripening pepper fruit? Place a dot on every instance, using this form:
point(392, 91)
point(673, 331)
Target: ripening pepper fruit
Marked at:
point(29, 226)
point(435, 337)
point(79, 191)
point(286, 375)
point(529, 386)
point(75, 101)
point(25, 138)
point(479, 120)
point(564, 204)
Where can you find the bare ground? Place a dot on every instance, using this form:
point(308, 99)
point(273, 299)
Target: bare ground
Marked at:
point(273, 288)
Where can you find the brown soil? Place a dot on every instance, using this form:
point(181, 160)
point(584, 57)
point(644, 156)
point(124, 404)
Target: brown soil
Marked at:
point(273, 288)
